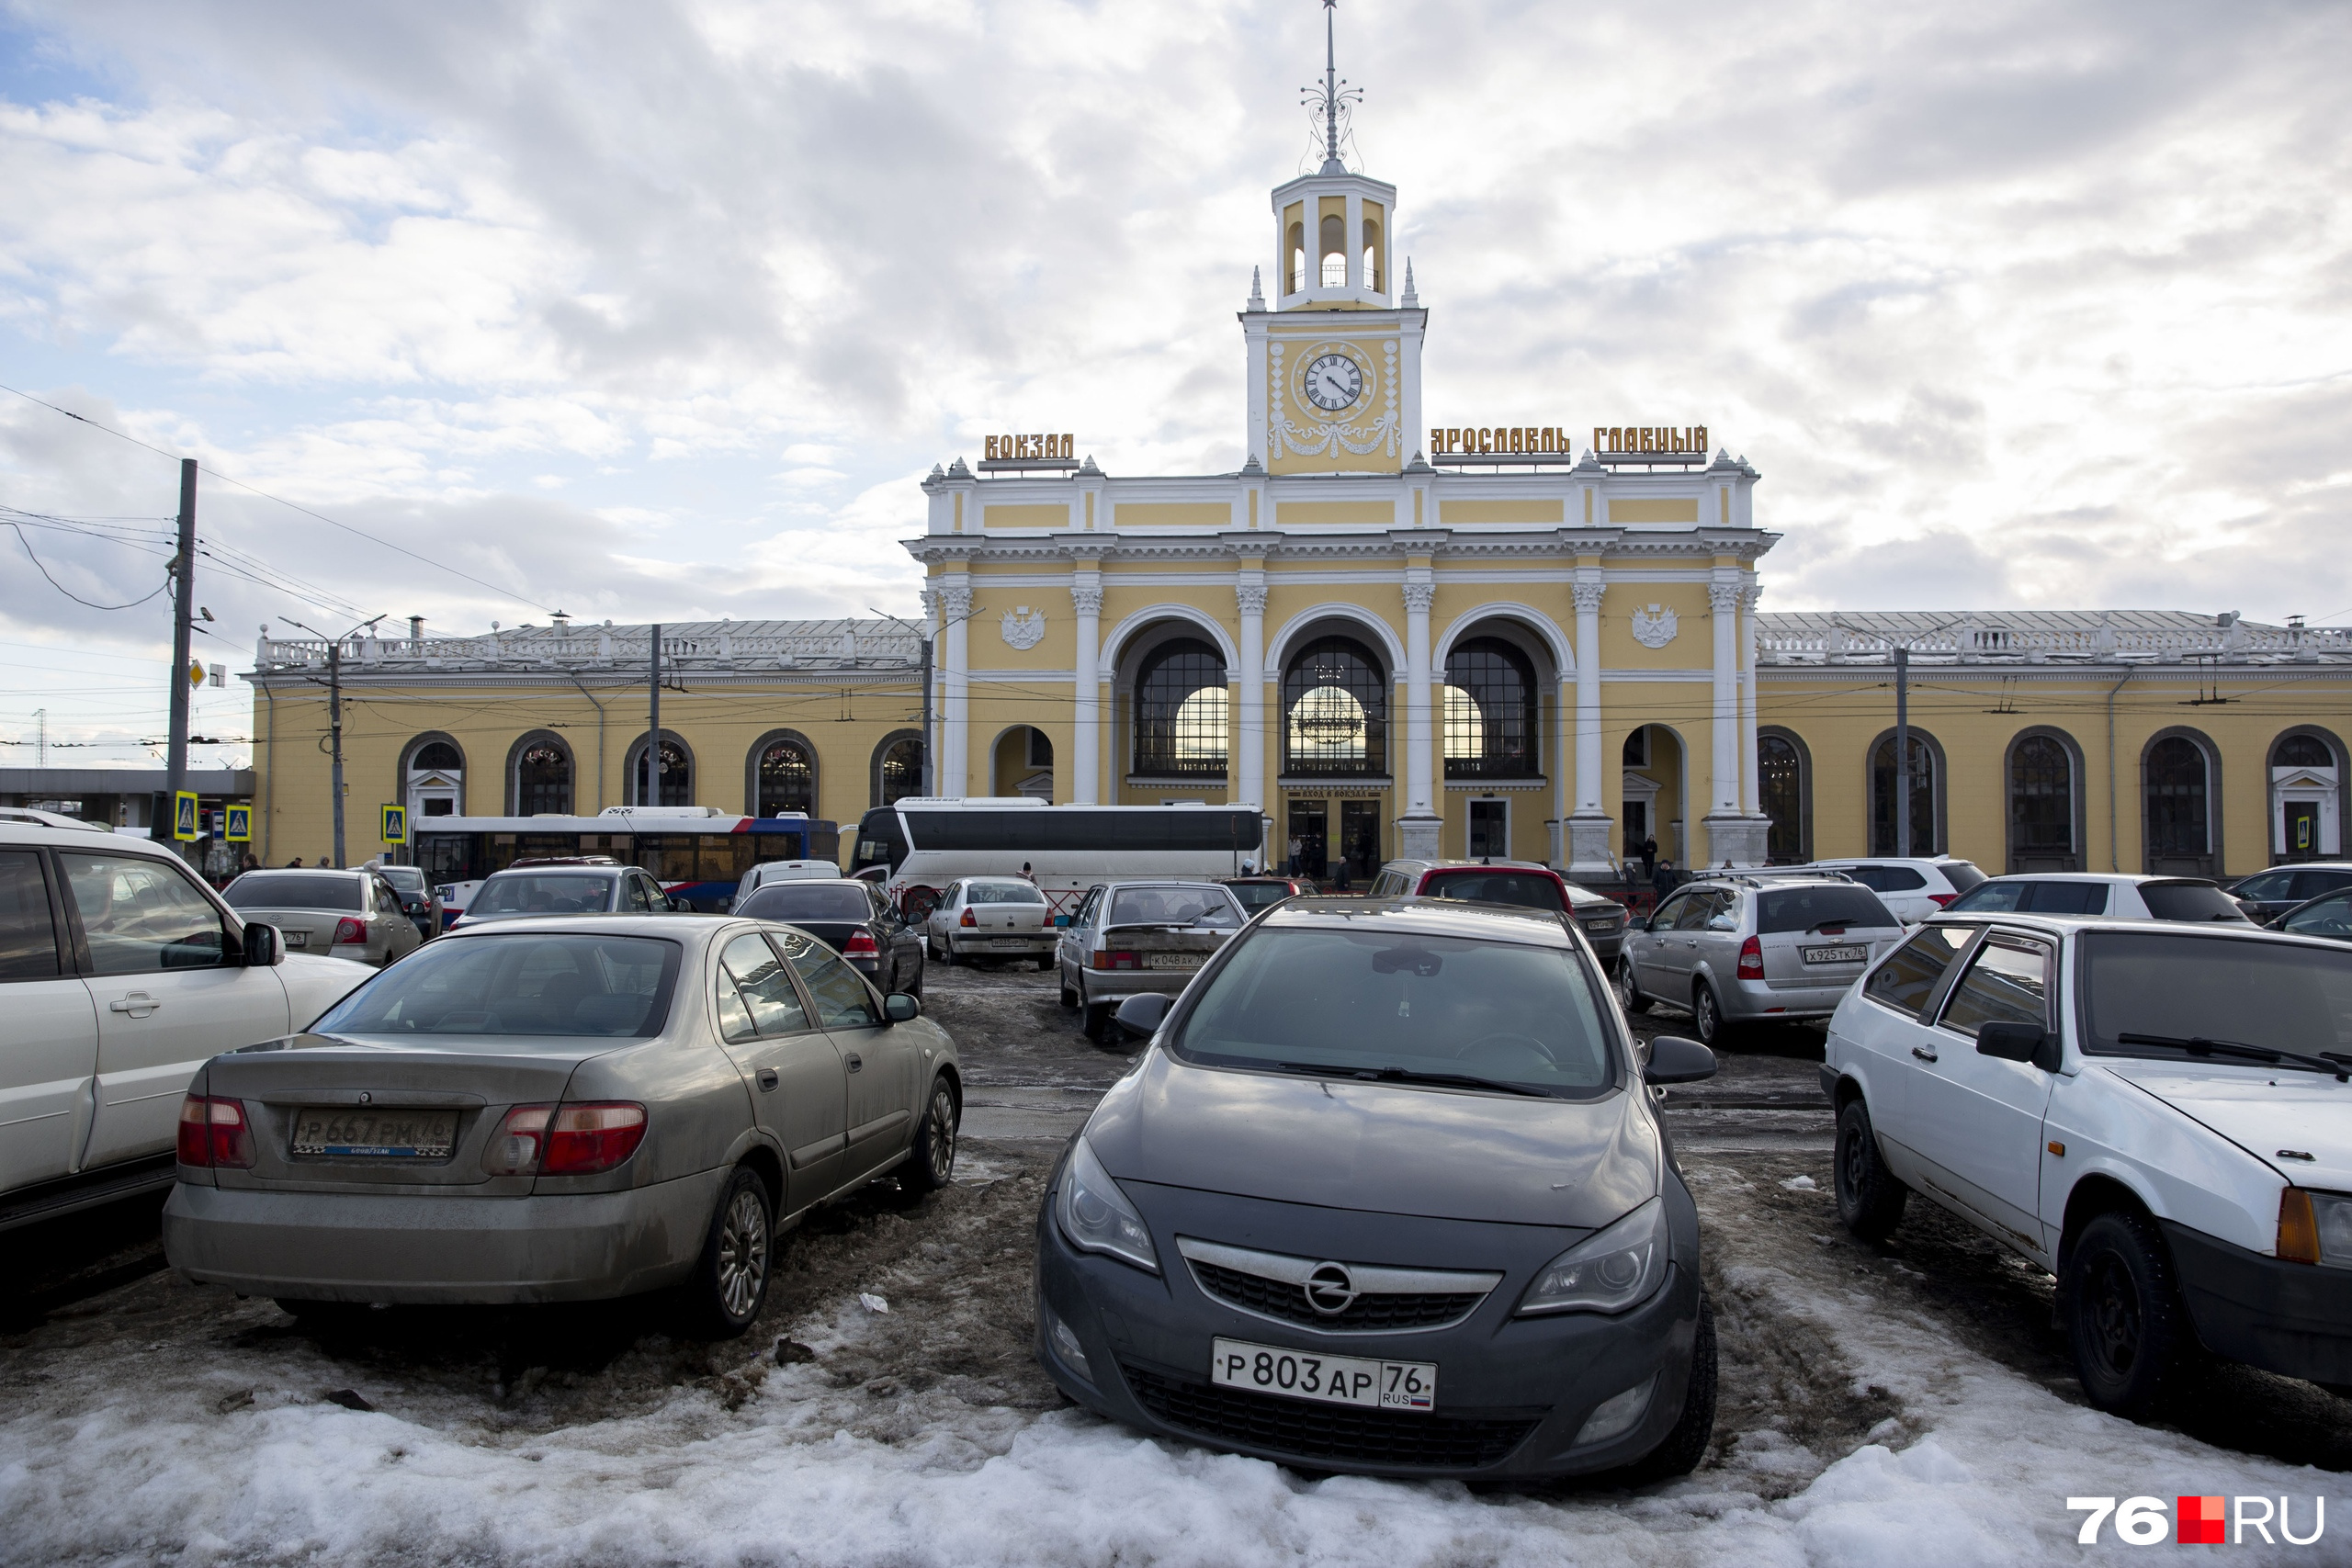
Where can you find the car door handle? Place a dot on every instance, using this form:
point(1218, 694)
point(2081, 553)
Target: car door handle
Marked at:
point(855, 1061)
point(1923, 1053)
point(138, 1004)
point(767, 1078)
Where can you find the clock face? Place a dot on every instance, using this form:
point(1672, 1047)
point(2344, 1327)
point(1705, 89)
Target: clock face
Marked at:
point(1334, 382)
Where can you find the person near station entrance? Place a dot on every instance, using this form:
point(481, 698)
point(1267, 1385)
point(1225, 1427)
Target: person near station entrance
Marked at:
point(1648, 851)
point(295, 864)
point(1662, 880)
point(1297, 853)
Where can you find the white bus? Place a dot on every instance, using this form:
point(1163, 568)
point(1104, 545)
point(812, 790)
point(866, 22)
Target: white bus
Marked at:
point(920, 844)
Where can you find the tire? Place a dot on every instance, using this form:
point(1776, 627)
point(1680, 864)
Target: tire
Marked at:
point(1069, 997)
point(2120, 1301)
point(915, 991)
point(1629, 990)
point(1686, 1444)
point(1707, 1017)
point(931, 1163)
point(1044, 964)
point(722, 1296)
point(1870, 1199)
point(1096, 1021)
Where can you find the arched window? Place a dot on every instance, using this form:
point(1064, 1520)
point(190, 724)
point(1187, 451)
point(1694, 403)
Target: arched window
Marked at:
point(1490, 711)
point(2180, 821)
point(1335, 706)
point(785, 768)
point(1180, 711)
point(431, 777)
point(1780, 789)
point(2041, 805)
point(2303, 750)
point(438, 755)
point(1294, 248)
point(1372, 269)
point(677, 777)
point(542, 778)
point(897, 768)
point(1334, 252)
point(1924, 784)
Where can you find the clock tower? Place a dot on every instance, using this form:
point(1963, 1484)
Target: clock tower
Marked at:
point(1335, 365)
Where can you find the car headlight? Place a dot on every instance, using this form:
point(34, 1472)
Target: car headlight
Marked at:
point(1096, 1215)
point(1614, 1269)
point(2316, 1227)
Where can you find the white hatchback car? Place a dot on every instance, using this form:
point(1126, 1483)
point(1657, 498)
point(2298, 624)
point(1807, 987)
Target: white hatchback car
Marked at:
point(121, 973)
point(2123, 895)
point(2159, 1114)
point(1914, 888)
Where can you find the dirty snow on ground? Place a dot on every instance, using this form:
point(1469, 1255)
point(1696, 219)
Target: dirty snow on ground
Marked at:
point(176, 1453)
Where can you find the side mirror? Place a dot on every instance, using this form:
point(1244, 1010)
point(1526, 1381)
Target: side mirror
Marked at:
point(901, 1008)
point(1674, 1059)
point(265, 947)
point(1143, 1014)
point(2019, 1043)
point(679, 906)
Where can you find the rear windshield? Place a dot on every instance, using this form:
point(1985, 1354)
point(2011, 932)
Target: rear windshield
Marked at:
point(1373, 1002)
point(543, 893)
point(1209, 908)
point(2190, 901)
point(807, 901)
point(1963, 874)
point(1524, 888)
point(528, 983)
point(2181, 986)
point(292, 890)
point(2000, 896)
point(407, 878)
point(1259, 895)
point(1809, 909)
point(1002, 893)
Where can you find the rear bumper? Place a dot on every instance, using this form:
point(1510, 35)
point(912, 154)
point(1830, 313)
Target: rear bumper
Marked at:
point(347, 1247)
point(1117, 984)
point(1607, 946)
point(2290, 1318)
point(1003, 944)
point(1759, 998)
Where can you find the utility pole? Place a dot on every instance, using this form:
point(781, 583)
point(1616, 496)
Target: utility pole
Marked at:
point(334, 717)
point(183, 607)
point(1902, 752)
point(651, 793)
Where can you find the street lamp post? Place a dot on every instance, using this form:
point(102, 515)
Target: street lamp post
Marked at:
point(334, 718)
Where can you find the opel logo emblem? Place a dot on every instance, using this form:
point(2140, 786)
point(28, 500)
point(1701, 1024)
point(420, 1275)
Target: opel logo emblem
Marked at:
point(1330, 1290)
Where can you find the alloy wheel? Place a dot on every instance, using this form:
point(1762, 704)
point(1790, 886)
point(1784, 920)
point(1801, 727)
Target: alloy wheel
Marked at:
point(1702, 1013)
point(743, 1254)
point(940, 1138)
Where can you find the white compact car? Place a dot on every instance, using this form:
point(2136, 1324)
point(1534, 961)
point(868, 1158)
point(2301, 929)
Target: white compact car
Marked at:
point(1914, 888)
point(2159, 1114)
point(2123, 895)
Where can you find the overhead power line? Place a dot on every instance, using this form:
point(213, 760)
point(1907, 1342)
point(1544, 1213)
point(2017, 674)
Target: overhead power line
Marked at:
point(90, 604)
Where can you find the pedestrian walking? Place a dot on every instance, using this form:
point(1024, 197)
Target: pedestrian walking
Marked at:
point(1662, 880)
point(1648, 851)
point(1297, 852)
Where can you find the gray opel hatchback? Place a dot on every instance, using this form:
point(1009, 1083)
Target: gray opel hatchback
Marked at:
point(1386, 1194)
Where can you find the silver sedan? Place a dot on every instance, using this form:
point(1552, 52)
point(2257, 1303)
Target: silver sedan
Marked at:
point(335, 914)
point(555, 1110)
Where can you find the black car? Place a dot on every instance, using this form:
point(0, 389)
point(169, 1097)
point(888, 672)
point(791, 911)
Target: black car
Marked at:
point(854, 920)
point(2266, 895)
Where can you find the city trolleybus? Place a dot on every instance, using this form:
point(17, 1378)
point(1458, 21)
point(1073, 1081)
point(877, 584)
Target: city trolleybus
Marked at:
point(696, 853)
point(918, 845)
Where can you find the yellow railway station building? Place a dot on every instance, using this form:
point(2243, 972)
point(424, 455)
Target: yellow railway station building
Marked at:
point(1395, 631)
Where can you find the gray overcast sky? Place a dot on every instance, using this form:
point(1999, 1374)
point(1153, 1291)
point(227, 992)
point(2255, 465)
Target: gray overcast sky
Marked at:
point(659, 309)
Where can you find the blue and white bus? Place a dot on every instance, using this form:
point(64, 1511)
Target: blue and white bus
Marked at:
point(696, 853)
point(918, 845)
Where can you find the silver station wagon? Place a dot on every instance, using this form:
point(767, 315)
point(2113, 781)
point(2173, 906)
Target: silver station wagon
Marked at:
point(554, 1110)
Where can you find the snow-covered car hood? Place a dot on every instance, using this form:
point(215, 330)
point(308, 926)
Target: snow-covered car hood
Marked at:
point(314, 984)
point(2262, 1111)
point(1389, 1148)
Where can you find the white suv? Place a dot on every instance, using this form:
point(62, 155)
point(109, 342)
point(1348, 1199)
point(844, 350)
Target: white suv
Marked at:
point(121, 973)
point(1913, 887)
point(2159, 1114)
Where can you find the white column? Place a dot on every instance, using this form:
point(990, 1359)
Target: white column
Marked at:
point(1418, 827)
point(1086, 734)
point(1248, 784)
point(1733, 836)
point(1588, 825)
point(954, 682)
point(1751, 796)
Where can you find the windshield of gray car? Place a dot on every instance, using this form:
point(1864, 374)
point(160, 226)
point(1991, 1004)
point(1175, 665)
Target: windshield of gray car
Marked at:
point(1372, 1002)
point(807, 901)
point(1207, 908)
point(293, 890)
point(543, 893)
point(1809, 909)
point(2178, 985)
point(1527, 889)
point(526, 983)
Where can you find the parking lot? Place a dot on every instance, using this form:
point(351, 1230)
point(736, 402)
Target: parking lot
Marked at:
point(886, 1407)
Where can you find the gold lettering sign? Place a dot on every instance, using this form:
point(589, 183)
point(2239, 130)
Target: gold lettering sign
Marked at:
point(1021, 448)
point(1526, 440)
point(1665, 440)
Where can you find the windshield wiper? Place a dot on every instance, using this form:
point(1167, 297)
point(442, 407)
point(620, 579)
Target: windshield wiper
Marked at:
point(1408, 1075)
point(2198, 1045)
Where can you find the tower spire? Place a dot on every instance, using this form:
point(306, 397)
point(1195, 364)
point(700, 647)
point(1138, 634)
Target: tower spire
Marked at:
point(1334, 94)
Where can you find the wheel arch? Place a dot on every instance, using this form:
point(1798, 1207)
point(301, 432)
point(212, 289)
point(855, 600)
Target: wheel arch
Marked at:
point(762, 1162)
point(2097, 1192)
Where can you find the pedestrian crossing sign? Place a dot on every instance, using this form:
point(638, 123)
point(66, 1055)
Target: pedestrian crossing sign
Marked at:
point(240, 829)
point(183, 817)
point(395, 825)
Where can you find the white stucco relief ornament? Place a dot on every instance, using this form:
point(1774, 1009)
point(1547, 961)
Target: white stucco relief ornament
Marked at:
point(1024, 628)
point(1654, 628)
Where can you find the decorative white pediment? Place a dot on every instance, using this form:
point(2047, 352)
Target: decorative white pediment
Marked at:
point(1024, 628)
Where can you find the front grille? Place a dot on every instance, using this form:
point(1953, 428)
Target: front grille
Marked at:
point(1366, 1314)
point(1337, 1432)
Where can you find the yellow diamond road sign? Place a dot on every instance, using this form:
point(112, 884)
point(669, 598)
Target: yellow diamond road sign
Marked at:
point(184, 815)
